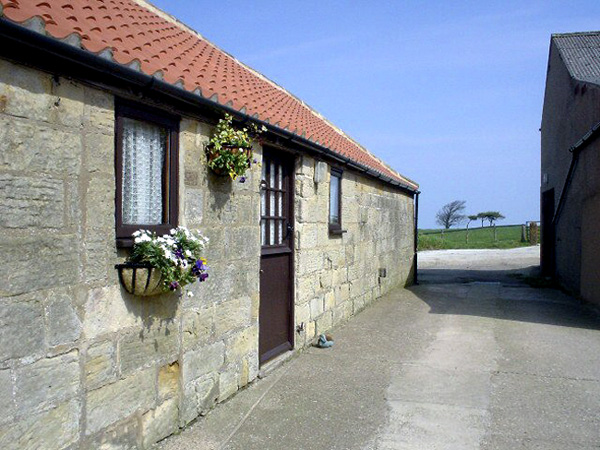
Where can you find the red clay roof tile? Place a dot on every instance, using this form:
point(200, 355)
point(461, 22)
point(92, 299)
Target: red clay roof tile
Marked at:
point(137, 32)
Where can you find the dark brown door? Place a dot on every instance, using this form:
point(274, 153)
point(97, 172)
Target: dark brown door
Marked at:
point(276, 274)
point(548, 241)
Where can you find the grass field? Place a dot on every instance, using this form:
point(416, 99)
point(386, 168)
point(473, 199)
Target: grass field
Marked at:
point(508, 236)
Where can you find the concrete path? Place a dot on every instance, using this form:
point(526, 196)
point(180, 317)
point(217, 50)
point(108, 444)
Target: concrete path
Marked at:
point(469, 359)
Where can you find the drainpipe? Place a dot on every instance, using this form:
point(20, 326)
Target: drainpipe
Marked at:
point(575, 152)
point(416, 239)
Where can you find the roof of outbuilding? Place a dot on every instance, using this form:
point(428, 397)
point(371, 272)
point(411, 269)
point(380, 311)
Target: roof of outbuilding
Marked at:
point(136, 34)
point(581, 54)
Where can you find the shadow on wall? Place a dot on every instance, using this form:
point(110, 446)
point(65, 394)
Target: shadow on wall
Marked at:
point(499, 294)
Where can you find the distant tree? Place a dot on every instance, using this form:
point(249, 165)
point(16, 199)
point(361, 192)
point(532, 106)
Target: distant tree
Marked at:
point(491, 217)
point(482, 217)
point(450, 214)
point(470, 218)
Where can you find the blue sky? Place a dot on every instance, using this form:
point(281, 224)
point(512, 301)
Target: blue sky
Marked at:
point(448, 93)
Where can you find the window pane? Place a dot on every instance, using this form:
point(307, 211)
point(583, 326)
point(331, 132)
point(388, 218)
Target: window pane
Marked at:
point(334, 199)
point(280, 234)
point(272, 232)
point(144, 150)
point(263, 232)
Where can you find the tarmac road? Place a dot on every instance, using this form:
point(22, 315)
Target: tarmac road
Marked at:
point(472, 358)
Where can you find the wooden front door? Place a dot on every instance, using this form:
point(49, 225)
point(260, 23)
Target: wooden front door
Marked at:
point(276, 265)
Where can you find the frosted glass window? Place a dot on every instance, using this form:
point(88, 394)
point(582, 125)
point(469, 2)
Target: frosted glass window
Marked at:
point(334, 198)
point(144, 150)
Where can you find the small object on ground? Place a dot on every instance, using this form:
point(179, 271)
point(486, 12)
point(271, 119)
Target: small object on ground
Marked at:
point(325, 341)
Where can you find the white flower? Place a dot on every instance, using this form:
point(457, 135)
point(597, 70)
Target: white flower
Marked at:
point(173, 231)
point(188, 253)
point(142, 238)
point(190, 294)
point(137, 233)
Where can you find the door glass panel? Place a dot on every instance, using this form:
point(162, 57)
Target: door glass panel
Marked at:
point(273, 204)
point(280, 234)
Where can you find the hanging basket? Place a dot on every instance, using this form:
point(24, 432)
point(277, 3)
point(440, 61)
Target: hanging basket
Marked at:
point(140, 279)
point(212, 155)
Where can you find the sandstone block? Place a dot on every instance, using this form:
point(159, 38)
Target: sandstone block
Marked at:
point(309, 262)
point(47, 382)
point(22, 337)
point(37, 148)
point(160, 422)
point(7, 402)
point(119, 436)
point(242, 242)
point(62, 323)
point(220, 285)
point(68, 103)
point(99, 112)
point(241, 345)
point(27, 91)
point(342, 312)
point(316, 307)
point(168, 380)
point(302, 313)
point(100, 203)
point(194, 206)
point(42, 262)
point(31, 202)
point(119, 400)
point(197, 326)
point(138, 349)
point(311, 331)
point(203, 361)
point(191, 179)
point(100, 256)
point(325, 322)
point(228, 383)
point(55, 428)
point(99, 148)
point(106, 311)
point(232, 314)
point(329, 300)
point(199, 397)
point(99, 364)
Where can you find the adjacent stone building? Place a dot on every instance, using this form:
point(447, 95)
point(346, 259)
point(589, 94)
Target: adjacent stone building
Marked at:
point(320, 229)
point(570, 185)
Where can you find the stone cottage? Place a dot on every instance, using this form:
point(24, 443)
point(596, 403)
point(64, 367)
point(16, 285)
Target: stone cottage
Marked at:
point(570, 185)
point(320, 229)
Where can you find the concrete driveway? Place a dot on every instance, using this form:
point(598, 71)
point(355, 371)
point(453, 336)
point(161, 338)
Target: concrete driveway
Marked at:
point(472, 358)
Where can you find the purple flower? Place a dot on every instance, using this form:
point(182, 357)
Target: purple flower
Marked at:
point(242, 179)
point(254, 161)
point(202, 277)
point(199, 267)
point(174, 285)
point(179, 253)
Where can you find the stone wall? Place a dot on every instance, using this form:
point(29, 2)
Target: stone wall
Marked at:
point(85, 365)
point(338, 275)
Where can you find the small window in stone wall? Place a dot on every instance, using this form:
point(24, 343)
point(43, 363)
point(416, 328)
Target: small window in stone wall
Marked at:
point(146, 171)
point(335, 201)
